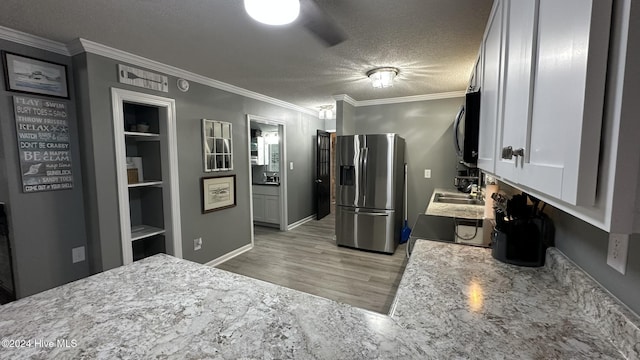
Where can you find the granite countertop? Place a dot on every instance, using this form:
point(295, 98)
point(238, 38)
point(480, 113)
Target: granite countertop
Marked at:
point(460, 211)
point(453, 302)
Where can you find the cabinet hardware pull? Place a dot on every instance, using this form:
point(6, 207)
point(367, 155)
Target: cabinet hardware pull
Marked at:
point(507, 153)
point(518, 152)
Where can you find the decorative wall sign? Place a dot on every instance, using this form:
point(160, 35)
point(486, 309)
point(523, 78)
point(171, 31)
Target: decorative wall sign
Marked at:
point(142, 78)
point(218, 193)
point(29, 75)
point(43, 144)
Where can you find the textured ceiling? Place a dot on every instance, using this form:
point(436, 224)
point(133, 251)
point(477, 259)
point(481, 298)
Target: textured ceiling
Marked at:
point(433, 42)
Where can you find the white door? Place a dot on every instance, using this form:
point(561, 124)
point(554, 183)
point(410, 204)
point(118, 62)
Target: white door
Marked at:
point(512, 129)
point(490, 92)
point(258, 207)
point(561, 157)
point(272, 209)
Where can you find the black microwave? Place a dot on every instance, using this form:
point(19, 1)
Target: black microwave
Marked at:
point(466, 128)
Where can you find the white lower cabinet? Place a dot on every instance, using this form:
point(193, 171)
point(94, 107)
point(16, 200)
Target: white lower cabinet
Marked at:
point(266, 204)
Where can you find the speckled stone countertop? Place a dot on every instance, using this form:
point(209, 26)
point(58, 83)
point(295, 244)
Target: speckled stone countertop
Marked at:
point(460, 211)
point(453, 302)
point(466, 304)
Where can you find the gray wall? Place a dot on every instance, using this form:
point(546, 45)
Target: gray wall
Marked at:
point(44, 226)
point(221, 231)
point(587, 246)
point(427, 128)
point(345, 114)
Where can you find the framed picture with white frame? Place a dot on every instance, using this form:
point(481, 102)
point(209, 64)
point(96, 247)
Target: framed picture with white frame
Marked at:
point(217, 145)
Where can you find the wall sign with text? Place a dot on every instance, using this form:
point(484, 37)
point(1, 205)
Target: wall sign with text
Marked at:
point(43, 144)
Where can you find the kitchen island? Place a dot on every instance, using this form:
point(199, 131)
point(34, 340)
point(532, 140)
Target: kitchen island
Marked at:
point(453, 302)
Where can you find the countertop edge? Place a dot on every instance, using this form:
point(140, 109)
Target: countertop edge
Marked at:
point(619, 325)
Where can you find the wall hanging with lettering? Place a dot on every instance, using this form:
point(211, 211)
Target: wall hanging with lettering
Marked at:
point(43, 144)
point(142, 78)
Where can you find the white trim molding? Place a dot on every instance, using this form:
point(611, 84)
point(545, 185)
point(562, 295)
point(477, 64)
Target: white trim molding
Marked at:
point(346, 98)
point(398, 100)
point(33, 41)
point(230, 255)
point(301, 221)
point(119, 55)
point(170, 187)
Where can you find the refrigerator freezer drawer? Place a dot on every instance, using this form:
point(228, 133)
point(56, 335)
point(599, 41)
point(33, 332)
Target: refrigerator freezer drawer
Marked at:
point(375, 230)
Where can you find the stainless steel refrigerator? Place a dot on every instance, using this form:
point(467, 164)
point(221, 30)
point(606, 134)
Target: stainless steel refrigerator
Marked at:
point(369, 201)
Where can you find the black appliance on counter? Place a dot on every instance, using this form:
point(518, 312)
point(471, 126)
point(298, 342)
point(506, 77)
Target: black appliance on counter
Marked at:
point(522, 232)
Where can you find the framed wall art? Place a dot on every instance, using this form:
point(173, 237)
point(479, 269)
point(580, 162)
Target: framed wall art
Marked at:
point(217, 147)
point(218, 193)
point(29, 75)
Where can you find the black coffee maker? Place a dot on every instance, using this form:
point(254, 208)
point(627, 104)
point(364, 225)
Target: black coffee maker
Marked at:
point(522, 232)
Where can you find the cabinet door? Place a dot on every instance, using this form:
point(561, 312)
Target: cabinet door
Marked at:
point(272, 209)
point(512, 129)
point(258, 207)
point(492, 60)
point(561, 157)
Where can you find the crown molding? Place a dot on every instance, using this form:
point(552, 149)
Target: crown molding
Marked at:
point(119, 55)
point(346, 98)
point(404, 99)
point(33, 41)
point(398, 100)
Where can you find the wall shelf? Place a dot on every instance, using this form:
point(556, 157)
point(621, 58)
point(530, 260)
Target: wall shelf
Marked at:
point(145, 183)
point(139, 232)
point(141, 134)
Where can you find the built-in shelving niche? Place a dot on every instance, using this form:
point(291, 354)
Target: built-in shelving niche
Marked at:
point(147, 174)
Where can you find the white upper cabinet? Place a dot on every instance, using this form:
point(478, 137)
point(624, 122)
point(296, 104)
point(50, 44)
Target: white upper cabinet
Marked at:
point(518, 83)
point(548, 110)
point(561, 157)
point(492, 55)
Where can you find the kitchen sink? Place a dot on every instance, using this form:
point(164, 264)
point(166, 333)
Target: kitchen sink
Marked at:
point(454, 195)
point(459, 199)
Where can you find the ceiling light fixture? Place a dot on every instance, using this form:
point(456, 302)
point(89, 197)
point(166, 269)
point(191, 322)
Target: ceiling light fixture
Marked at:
point(326, 112)
point(273, 12)
point(382, 77)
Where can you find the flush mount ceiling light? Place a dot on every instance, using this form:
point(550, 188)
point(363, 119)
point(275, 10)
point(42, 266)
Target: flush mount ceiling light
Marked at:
point(382, 77)
point(273, 12)
point(326, 112)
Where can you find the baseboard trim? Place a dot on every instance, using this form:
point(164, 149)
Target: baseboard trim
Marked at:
point(230, 255)
point(300, 222)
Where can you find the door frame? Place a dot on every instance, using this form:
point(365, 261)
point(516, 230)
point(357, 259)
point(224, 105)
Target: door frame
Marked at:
point(168, 107)
point(284, 212)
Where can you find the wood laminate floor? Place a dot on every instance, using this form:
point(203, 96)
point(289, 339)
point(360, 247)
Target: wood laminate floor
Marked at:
point(307, 259)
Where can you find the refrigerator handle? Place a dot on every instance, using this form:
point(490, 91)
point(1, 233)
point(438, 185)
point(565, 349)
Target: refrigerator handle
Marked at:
point(350, 211)
point(365, 156)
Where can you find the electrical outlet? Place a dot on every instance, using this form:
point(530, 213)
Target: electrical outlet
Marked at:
point(197, 244)
point(617, 254)
point(427, 173)
point(77, 254)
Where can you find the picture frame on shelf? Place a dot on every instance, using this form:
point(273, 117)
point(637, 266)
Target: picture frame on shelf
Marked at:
point(29, 75)
point(218, 193)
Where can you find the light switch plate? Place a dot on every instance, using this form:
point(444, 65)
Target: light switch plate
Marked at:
point(77, 254)
point(617, 254)
point(291, 165)
point(427, 173)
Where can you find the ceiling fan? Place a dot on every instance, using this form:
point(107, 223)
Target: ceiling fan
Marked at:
point(311, 15)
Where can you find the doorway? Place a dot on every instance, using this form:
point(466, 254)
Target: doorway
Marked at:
point(267, 160)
